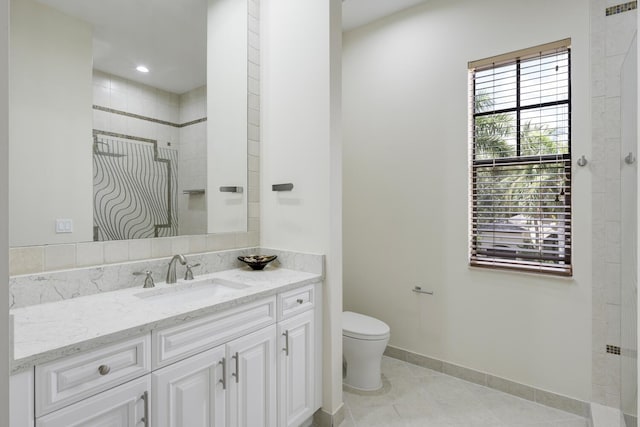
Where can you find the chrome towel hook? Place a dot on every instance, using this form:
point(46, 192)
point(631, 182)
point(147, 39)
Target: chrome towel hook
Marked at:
point(630, 159)
point(582, 161)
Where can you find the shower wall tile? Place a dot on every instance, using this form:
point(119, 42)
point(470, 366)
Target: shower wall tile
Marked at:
point(612, 117)
point(613, 324)
point(611, 37)
point(613, 65)
point(612, 283)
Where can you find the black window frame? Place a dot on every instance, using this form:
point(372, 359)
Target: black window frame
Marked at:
point(503, 257)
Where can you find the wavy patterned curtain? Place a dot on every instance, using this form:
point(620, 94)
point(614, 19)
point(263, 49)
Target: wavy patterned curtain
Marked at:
point(135, 189)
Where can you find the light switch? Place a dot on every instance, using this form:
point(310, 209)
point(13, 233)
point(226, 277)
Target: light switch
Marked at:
point(64, 225)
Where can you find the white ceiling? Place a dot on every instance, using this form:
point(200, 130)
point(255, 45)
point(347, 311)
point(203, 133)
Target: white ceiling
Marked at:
point(356, 13)
point(169, 37)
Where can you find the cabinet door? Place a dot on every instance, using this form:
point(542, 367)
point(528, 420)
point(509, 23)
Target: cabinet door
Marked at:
point(252, 379)
point(296, 370)
point(191, 393)
point(124, 406)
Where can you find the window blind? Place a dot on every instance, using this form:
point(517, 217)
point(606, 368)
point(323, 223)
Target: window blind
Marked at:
point(521, 160)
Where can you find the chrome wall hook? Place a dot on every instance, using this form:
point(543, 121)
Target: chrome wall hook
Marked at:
point(630, 159)
point(582, 161)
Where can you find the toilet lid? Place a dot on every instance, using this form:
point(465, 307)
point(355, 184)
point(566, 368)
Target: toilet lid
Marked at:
point(363, 327)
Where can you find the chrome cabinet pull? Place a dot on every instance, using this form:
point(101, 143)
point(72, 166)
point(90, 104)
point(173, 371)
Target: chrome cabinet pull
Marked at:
point(237, 372)
point(223, 380)
point(104, 369)
point(145, 398)
point(286, 342)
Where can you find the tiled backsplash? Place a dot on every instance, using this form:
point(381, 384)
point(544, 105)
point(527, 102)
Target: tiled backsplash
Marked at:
point(45, 287)
point(39, 259)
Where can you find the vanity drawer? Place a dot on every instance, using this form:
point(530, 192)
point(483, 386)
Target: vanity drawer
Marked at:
point(189, 338)
point(296, 301)
point(74, 378)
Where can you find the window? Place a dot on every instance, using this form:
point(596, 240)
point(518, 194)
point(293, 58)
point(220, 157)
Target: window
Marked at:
point(521, 160)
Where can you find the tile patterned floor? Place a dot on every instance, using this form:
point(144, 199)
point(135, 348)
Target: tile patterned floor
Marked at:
point(418, 397)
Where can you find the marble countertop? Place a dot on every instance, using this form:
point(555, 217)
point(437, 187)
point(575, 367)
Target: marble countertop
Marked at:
point(46, 332)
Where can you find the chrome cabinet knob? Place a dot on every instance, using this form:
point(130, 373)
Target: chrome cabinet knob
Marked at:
point(104, 369)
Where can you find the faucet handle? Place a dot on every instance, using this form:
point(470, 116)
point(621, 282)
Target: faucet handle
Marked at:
point(188, 275)
point(148, 281)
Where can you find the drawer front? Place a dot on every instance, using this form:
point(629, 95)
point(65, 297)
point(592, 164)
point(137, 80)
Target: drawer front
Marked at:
point(189, 338)
point(125, 405)
point(73, 378)
point(296, 301)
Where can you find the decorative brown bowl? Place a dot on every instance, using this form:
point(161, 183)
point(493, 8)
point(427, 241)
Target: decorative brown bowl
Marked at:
point(257, 262)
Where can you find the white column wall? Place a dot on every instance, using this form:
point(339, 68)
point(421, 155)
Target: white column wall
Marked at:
point(300, 104)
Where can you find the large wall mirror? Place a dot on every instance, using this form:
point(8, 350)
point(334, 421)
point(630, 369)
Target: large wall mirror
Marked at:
point(128, 119)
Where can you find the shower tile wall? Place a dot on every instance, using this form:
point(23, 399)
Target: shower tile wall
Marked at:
point(175, 121)
point(611, 37)
point(192, 164)
point(127, 96)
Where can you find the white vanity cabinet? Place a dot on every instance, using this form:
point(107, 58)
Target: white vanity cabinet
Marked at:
point(252, 379)
point(231, 385)
point(297, 357)
point(124, 406)
point(110, 386)
point(254, 364)
point(191, 392)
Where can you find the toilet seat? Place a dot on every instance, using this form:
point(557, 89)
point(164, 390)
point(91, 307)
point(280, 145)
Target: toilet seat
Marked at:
point(359, 326)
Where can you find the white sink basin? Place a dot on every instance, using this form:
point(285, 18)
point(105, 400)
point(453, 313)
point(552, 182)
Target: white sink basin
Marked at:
point(187, 292)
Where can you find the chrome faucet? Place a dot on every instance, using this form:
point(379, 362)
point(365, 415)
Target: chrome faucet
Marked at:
point(171, 271)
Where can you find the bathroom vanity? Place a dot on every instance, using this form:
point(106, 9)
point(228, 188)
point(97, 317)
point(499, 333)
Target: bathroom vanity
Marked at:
point(231, 348)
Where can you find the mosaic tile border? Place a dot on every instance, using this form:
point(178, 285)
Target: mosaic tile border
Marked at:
point(621, 8)
point(543, 397)
point(613, 349)
point(149, 119)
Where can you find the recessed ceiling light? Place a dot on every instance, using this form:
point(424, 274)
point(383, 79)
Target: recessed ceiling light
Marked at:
point(142, 69)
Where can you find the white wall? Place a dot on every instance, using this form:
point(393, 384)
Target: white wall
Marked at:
point(50, 125)
point(300, 62)
point(227, 36)
point(192, 166)
point(405, 100)
point(4, 214)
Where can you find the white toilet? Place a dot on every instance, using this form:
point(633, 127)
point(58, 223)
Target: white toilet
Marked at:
point(363, 342)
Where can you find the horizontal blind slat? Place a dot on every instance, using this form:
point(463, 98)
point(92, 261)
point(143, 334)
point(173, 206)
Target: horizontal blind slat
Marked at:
point(521, 164)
